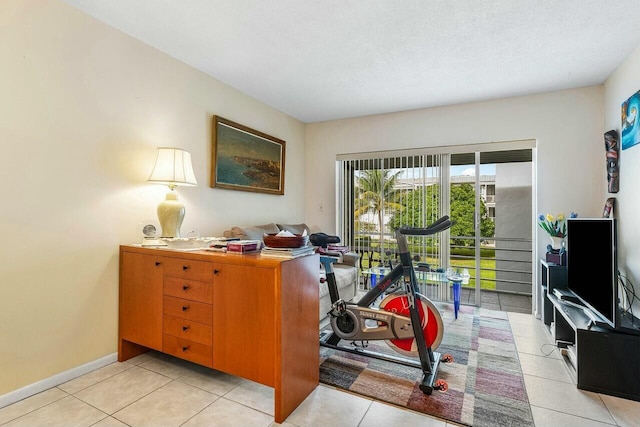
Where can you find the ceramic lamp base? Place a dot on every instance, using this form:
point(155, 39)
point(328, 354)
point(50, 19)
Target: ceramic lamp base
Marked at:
point(170, 215)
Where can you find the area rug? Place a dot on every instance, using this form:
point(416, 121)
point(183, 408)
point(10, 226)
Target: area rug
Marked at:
point(486, 384)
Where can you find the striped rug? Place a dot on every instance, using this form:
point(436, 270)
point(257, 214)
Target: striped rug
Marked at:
point(486, 385)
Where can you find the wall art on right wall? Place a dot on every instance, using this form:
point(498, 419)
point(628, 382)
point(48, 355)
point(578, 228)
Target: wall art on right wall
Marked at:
point(608, 207)
point(630, 125)
point(612, 148)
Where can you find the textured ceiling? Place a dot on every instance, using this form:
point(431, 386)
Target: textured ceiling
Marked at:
point(319, 60)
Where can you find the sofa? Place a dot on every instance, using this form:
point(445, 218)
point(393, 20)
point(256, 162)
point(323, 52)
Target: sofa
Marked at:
point(346, 271)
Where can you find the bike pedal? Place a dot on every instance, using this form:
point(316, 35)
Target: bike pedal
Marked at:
point(441, 385)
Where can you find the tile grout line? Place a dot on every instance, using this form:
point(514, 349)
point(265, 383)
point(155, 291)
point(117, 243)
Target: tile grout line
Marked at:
point(38, 408)
point(576, 416)
point(97, 382)
point(608, 410)
point(577, 391)
point(112, 415)
point(365, 413)
point(202, 410)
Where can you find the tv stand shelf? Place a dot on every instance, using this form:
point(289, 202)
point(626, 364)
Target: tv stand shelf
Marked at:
point(603, 360)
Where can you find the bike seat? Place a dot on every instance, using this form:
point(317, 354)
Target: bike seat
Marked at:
point(323, 239)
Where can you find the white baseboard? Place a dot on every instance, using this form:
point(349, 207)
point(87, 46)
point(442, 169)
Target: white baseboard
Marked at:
point(63, 377)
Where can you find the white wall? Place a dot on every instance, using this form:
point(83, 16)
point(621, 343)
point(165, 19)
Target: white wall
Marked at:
point(623, 83)
point(82, 109)
point(567, 126)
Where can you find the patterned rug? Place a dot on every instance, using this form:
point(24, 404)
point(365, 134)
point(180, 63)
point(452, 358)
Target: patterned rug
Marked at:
point(486, 385)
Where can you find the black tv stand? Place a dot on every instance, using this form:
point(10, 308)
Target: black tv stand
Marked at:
point(565, 295)
point(629, 324)
point(601, 359)
point(594, 320)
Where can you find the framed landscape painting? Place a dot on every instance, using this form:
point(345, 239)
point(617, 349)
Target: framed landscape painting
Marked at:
point(245, 159)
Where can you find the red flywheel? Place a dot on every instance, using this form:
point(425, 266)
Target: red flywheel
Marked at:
point(432, 327)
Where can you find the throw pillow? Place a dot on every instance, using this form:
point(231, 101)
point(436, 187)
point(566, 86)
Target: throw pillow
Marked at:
point(295, 228)
point(254, 233)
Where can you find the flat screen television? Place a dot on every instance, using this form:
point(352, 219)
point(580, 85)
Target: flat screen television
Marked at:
point(592, 265)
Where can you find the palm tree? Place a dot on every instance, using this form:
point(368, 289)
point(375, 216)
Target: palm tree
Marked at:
point(376, 193)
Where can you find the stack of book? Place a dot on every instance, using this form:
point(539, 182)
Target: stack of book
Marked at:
point(287, 252)
point(243, 246)
point(219, 244)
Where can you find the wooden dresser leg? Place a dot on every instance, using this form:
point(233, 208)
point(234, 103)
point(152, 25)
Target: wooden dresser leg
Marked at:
point(127, 350)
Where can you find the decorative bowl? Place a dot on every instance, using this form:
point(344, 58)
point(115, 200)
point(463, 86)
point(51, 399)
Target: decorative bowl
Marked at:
point(274, 241)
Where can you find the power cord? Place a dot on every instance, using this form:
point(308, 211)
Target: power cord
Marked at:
point(547, 354)
point(630, 295)
point(629, 292)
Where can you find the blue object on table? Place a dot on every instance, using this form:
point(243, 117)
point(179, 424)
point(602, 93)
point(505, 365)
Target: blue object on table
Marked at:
point(457, 279)
point(375, 274)
point(457, 288)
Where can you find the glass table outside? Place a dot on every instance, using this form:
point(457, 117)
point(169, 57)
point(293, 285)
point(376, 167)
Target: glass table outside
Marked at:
point(433, 285)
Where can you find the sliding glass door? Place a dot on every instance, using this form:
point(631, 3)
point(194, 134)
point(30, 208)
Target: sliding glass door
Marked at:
point(487, 193)
point(491, 200)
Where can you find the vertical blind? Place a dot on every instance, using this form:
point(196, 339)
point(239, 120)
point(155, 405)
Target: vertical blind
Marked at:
point(378, 195)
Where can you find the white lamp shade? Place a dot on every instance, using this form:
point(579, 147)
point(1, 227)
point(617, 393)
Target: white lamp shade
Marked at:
point(173, 167)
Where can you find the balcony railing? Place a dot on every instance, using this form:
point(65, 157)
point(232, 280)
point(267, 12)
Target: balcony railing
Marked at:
point(505, 263)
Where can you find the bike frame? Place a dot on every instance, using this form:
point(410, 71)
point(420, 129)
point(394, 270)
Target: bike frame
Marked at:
point(429, 360)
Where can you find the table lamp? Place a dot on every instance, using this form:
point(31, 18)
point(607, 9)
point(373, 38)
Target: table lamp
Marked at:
point(173, 167)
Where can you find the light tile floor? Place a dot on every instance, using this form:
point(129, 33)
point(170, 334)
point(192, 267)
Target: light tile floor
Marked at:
point(156, 390)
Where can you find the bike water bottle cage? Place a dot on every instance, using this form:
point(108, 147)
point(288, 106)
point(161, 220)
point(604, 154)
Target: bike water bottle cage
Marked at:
point(323, 239)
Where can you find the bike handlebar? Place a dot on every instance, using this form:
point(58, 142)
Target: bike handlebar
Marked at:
point(438, 226)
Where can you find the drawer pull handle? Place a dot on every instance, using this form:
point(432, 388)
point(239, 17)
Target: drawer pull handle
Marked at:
point(185, 287)
point(216, 271)
point(185, 328)
point(185, 348)
point(185, 267)
point(185, 307)
point(158, 263)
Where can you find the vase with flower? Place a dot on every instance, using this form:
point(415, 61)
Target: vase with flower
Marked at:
point(556, 228)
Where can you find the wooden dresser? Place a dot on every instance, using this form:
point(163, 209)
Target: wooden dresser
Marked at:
point(245, 315)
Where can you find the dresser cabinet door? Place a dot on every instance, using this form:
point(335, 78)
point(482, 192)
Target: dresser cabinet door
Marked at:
point(244, 327)
point(141, 299)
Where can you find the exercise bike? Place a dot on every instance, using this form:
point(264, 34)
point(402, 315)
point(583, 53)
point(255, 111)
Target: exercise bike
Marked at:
point(406, 320)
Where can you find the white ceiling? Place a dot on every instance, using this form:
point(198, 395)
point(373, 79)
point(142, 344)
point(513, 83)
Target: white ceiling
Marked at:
point(319, 60)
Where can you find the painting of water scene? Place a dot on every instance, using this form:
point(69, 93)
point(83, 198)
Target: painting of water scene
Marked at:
point(245, 159)
point(630, 121)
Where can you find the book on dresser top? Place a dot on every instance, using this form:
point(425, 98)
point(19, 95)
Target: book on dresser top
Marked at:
point(243, 246)
point(287, 252)
point(220, 244)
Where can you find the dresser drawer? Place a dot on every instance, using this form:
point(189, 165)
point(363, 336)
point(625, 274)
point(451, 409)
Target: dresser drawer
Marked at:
point(185, 309)
point(187, 329)
point(188, 269)
point(188, 350)
point(188, 289)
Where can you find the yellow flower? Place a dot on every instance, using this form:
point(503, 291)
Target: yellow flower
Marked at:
point(560, 217)
point(550, 218)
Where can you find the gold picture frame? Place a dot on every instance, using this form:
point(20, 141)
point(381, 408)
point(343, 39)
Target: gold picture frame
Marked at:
point(245, 159)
